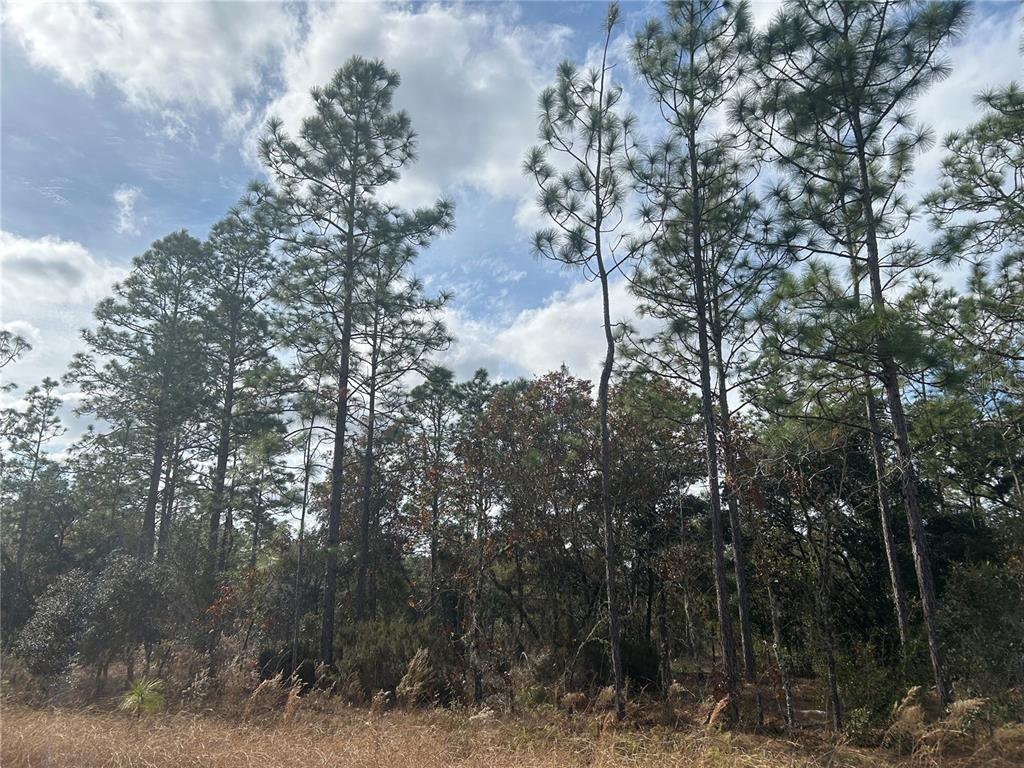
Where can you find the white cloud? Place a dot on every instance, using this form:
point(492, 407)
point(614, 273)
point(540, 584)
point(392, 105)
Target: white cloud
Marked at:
point(471, 73)
point(125, 198)
point(762, 11)
point(24, 329)
point(159, 55)
point(470, 80)
point(987, 57)
point(565, 330)
point(49, 270)
point(48, 287)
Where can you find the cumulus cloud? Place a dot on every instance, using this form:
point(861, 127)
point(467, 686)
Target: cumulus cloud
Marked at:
point(565, 330)
point(48, 287)
point(49, 270)
point(125, 197)
point(986, 57)
point(159, 55)
point(471, 73)
point(470, 80)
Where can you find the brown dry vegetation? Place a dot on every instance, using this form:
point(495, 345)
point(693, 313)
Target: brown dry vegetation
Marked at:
point(353, 737)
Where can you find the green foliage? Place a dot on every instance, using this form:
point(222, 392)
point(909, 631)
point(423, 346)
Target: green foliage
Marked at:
point(476, 536)
point(94, 619)
point(49, 642)
point(871, 685)
point(375, 655)
point(983, 619)
point(143, 697)
point(132, 603)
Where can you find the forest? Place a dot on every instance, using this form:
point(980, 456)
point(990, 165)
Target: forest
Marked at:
point(791, 502)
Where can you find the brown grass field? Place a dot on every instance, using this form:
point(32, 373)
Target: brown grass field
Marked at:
point(353, 738)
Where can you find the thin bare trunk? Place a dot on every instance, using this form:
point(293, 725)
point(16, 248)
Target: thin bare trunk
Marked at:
point(780, 659)
point(901, 435)
point(338, 462)
point(148, 537)
point(729, 486)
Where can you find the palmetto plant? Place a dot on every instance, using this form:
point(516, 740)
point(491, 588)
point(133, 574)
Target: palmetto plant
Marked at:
point(143, 697)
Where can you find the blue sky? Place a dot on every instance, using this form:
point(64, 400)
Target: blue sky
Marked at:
point(121, 123)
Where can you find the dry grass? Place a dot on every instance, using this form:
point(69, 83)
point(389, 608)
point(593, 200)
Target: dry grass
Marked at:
point(336, 735)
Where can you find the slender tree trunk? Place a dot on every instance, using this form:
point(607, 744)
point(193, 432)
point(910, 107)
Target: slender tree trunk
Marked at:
point(691, 636)
point(363, 562)
point(255, 547)
point(901, 435)
point(780, 659)
point(220, 471)
point(729, 486)
point(610, 556)
point(115, 501)
point(26, 506)
point(435, 520)
point(823, 611)
point(606, 501)
point(147, 539)
point(474, 611)
point(649, 595)
point(163, 539)
point(664, 659)
point(899, 597)
point(307, 468)
point(227, 539)
point(707, 413)
point(338, 462)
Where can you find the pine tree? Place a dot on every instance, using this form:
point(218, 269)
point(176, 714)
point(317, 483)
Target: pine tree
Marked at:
point(146, 354)
point(398, 330)
point(580, 122)
point(700, 273)
point(836, 80)
point(328, 181)
point(239, 273)
point(27, 433)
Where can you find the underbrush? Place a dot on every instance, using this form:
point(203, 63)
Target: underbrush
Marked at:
point(421, 718)
point(328, 732)
point(341, 735)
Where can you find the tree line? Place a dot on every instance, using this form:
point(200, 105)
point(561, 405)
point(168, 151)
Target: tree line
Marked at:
point(810, 467)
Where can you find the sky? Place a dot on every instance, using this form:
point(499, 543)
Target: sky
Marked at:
point(124, 122)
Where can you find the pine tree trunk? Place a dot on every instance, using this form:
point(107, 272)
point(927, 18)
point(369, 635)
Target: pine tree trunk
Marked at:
point(708, 416)
point(363, 560)
point(739, 559)
point(307, 469)
point(221, 469)
point(664, 660)
point(606, 501)
point(610, 556)
point(23, 519)
point(780, 659)
point(899, 597)
point(881, 485)
point(148, 537)
point(167, 506)
point(474, 611)
point(901, 435)
point(338, 461)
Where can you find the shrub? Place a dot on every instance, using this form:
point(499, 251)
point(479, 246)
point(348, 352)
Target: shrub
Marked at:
point(143, 697)
point(130, 609)
point(639, 662)
point(869, 685)
point(375, 655)
point(983, 627)
point(49, 642)
point(419, 684)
